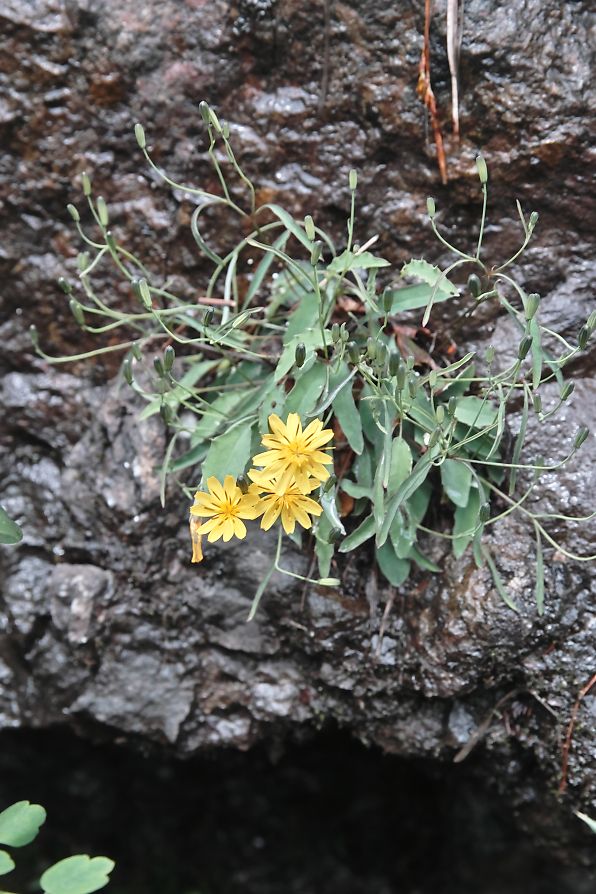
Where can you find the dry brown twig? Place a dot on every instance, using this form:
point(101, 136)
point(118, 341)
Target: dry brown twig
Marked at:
point(425, 92)
point(569, 734)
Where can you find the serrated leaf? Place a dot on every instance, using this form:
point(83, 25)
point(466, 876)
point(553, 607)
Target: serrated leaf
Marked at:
point(428, 273)
point(19, 823)
point(395, 570)
point(349, 260)
point(228, 454)
point(10, 532)
point(80, 874)
point(363, 532)
point(456, 478)
point(6, 863)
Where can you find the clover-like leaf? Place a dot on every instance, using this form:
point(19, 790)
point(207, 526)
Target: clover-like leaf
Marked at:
point(19, 823)
point(6, 863)
point(80, 874)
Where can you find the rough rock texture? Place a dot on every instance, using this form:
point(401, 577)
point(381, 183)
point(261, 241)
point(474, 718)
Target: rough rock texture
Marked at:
point(105, 625)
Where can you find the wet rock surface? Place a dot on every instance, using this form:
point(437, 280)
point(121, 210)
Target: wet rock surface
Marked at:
point(105, 625)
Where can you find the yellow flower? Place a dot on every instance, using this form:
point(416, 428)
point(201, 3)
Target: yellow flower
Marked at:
point(224, 507)
point(294, 453)
point(291, 502)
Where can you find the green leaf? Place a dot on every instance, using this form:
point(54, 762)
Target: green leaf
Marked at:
point(456, 478)
point(310, 338)
point(327, 501)
point(475, 412)
point(229, 453)
point(363, 532)
point(6, 863)
point(400, 464)
point(413, 297)
point(430, 274)
point(466, 521)
point(423, 561)
point(323, 549)
point(307, 390)
point(519, 443)
point(537, 353)
point(356, 490)
point(179, 392)
point(405, 490)
point(500, 586)
point(80, 874)
point(291, 225)
point(402, 536)
point(395, 570)
point(349, 260)
point(220, 412)
point(10, 532)
point(305, 316)
point(590, 823)
point(19, 823)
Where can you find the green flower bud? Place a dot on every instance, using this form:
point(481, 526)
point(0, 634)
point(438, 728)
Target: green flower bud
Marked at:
point(158, 366)
point(532, 303)
point(111, 242)
point(567, 391)
point(452, 405)
point(86, 184)
point(410, 361)
point(394, 364)
point(102, 211)
point(204, 110)
point(169, 355)
point(335, 333)
point(412, 386)
point(214, 120)
point(329, 582)
point(127, 370)
point(474, 285)
point(225, 131)
point(64, 285)
point(309, 227)
point(381, 354)
point(432, 378)
point(353, 180)
point(77, 311)
point(401, 376)
point(524, 346)
point(243, 483)
point(353, 352)
point(136, 351)
point(489, 355)
point(591, 322)
point(300, 354)
point(34, 335)
point(431, 207)
point(582, 433)
point(167, 413)
point(343, 332)
point(144, 293)
point(208, 316)
point(387, 301)
point(583, 337)
point(440, 414)
point(434, 438)
point(533, 220)
point(83, 260)
point(371, 348)
point(73, 213)
point(316, 252)
point(537, 403)
point(482, 169)
point(484, 513)
point(140, 135)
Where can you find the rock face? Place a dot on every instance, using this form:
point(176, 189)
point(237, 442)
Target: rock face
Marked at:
point(106, 626)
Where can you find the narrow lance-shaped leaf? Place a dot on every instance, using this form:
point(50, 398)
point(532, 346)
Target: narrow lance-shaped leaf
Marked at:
point(405, 490)
point(363, 532)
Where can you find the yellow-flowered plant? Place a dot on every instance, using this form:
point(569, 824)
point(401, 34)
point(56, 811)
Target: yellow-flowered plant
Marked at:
point(299, 334)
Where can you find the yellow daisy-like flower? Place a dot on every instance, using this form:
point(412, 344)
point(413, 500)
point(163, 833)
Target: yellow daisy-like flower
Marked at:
point(291, 502)
point(224, 507)
point(293, 453)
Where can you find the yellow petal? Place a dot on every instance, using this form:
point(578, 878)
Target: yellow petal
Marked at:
point(228, 529)
point(239, 529)
point(276, 425)
point(216, 489)
point(231, 488)
point(270, 516)
point(288, 520)
point(293, 426)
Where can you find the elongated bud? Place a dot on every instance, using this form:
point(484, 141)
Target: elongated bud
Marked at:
point(533, 220)
point(482, 169)
point(431, 207)
point(34, 334)
point(335, 333)
point(484, 513)
point(401, 376)
point(537, 403)
point(432, 378)
point(158, 367)
point(387, 301)
point(82, 260)
point(300, 354)
point(309, 227)
point(353, 352)
point(316, 252)
point(140, 135)
point(582, 433)
point(474, 285)
point(452, 405)
point(73, 213)
point(136, 351)
point(524, 346)
point(329, 484)
point(225, 130)
point(531, 305)
point(243, 483)
point(86, 183)
point(410, 361)
point(583, 337)
point(169, 355)
point(489, 354)
point(111, 242)
point(343, 333)
point(144, 293)
point(440, 414)
point(381, 354)
point(436, 434)
point(394, 364)
point(102, 211)
point(353, 180)
point(204, 110)
point(208, 316)
point(64, 285)
point(329, 582)
point(371, 348)
point(77, 311)
point(567, 391)
point(127, 370)
point(167, 414)
point(214, 121)
point(412, 386)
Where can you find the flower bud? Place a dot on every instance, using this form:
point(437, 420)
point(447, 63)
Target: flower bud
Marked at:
point(86, 184)
point(214, 120)
point(524, 346)
point(412, 386)
point(353, 352)
point(410, 361)
point(436, 434)
point(243, 483)
point(533, 220)
point(34, 334)
point(300, 354)
point(140, 135)
point(401, 376)
point(440, 414)
point(316, 252)
point(158, 366)
point(73, 213)
point(111, 242)
point(431, 207)
point(537, 403)
point(208, 316)
point(343, 333)
point(167, 414)
point(474, 285)
point(582, 433)
point(591, 322)
point(309, 227)
point(482, 169)
point(387, 301)
point(127, 370)
point(102, 211)
point(82, 260)
point(567, 391)
point(432, 378)
point(532, 303)
point(371, 348)
point(353, 180)
point(335, 333)
point(329, 582)
point(452, 405)
point(225, 130)
point(144, 293)
point(204, 110)
point(394, 364)
point(77, 311)
point(484, 512)
point(64, 285)
point(169, 355)
point(381, 357)
point(583, 337)
point(136, 351)
point(489, 354)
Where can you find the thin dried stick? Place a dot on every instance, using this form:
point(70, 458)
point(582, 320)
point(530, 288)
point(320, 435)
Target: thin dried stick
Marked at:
point(427, 96)
point(455, 13)
point(569, 735)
